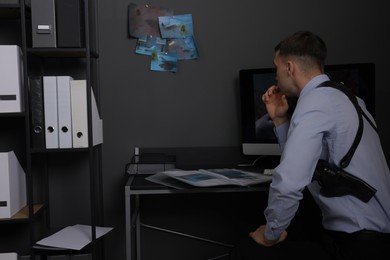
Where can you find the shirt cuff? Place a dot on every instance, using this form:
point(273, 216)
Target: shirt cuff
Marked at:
point(270, 234)
point(281, 131)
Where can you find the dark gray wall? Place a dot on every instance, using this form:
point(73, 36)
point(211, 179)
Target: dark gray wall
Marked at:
point(198, 106)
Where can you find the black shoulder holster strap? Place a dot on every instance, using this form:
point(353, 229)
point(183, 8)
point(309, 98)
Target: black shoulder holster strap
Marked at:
point(334, 181)
point(348, 92)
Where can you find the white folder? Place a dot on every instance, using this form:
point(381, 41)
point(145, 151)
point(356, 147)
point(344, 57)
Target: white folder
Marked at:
point(12, 185)
point(64, 112)
point(80, 116)
point(78, 93)
point(11, 79)
point(50, 111)
point(97, 123)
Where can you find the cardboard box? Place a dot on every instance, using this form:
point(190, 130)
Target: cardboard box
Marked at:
point(11, 79)
point(8, 256)
point(12, 185)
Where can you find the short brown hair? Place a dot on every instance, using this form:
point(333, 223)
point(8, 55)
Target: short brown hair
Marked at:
point(304, 44)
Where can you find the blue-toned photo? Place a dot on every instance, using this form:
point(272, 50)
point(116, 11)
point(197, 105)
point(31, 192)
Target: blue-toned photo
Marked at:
point(163, 62)
point(177, 26)
point(196, 177)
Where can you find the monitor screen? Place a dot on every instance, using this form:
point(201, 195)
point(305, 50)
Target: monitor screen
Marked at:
point(258, 137)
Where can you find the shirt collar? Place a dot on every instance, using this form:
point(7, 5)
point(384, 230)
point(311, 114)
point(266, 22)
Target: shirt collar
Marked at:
point(313, 83)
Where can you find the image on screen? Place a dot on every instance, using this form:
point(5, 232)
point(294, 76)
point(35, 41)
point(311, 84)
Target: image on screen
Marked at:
point(258, 137)
point(263, 123)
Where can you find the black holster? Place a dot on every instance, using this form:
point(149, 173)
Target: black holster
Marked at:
point(336, 182)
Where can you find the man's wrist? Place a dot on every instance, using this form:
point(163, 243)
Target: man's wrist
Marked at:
point(280, 120)
point(268, 242)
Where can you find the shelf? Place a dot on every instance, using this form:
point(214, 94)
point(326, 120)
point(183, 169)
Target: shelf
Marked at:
point(47, 251)
point(61, 52)
point(23, 214)
point(59, 150)
point(17, 114)
point(9, 11)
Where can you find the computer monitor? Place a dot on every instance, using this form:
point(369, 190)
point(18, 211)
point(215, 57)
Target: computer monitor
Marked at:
point(258, 137)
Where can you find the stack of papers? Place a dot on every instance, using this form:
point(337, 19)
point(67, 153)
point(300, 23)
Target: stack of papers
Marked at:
point(213, 177)
point(73, 237)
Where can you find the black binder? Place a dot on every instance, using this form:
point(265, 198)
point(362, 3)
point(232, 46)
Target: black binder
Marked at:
point(43, 21)
point(70, 23)
point(37, 116)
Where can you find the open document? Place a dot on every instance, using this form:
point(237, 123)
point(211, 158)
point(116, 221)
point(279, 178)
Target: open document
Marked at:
point(218, 177)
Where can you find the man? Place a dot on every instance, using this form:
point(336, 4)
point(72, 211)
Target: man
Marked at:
point(323, 126)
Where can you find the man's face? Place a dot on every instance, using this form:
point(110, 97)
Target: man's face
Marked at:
point(283, 75)
point(281, 71)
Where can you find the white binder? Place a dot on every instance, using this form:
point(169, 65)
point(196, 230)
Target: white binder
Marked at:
point(12, 185)
point(64, 112)
point(50, 111)
point(11, 79)
point(97, 123)
point(80, 116)
point(78, 93)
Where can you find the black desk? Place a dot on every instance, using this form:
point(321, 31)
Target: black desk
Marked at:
point(137, 186)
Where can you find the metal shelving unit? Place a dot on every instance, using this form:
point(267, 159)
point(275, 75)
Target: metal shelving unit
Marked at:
point(21, 231)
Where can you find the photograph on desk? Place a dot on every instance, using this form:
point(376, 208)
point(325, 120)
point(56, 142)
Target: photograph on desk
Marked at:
point(217, 177)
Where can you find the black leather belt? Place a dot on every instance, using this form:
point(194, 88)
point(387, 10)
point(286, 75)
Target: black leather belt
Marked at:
point(363, 235)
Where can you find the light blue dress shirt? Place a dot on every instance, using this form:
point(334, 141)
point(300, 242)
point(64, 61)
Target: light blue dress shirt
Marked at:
point(324, 125)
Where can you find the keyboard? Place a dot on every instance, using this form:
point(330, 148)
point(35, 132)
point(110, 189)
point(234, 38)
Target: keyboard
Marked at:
point(265, 171)
point(268, 171)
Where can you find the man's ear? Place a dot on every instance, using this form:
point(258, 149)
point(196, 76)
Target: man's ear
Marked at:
point(290, 67)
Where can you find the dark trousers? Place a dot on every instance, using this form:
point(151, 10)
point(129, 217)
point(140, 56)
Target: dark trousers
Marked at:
point(333, 246)
point(247, 249)
point(362, 245)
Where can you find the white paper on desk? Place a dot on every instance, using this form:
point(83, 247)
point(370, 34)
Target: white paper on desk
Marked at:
point(73, 237)
point(218, 177)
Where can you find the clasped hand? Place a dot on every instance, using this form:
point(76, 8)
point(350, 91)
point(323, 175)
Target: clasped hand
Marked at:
point(276, 104)
point(259, 237)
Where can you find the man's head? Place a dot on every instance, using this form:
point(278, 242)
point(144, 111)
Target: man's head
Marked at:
point(298, 58)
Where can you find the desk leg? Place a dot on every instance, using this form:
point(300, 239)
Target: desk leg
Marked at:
point(132, 225)
point(128, 226)
point(137, 229)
